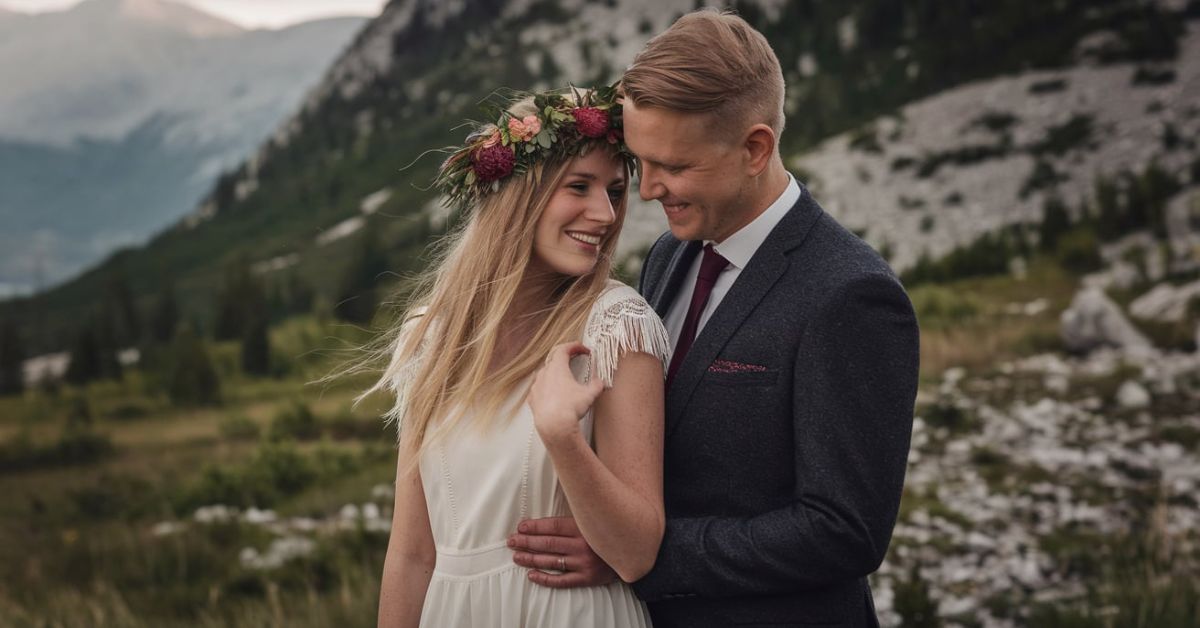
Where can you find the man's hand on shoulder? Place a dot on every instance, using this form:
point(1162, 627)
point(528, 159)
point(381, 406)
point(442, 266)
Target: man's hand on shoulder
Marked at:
point(557, 556)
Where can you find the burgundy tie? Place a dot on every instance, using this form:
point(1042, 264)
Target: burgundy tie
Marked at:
point(710, 267)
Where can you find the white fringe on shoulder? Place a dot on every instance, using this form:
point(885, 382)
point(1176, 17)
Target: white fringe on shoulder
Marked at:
point(622, 321)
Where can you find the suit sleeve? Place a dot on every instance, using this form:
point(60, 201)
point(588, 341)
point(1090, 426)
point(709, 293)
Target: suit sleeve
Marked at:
point(855, 382)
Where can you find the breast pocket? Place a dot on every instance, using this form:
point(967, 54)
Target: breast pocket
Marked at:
point(764, 378)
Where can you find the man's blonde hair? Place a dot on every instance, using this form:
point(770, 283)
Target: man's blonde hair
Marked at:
point(710, 62)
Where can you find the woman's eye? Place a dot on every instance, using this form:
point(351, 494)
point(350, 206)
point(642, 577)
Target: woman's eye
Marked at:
point(579, 187)
point(616, 194)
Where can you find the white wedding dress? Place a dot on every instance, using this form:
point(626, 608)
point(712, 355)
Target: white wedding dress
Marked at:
point(479, 485)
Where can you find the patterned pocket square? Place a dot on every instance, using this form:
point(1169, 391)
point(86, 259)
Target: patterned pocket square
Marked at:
point(729, 366)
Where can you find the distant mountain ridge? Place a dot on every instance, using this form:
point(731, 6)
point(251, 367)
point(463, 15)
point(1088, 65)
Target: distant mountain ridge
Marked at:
point(420, 68)
point(191, 93)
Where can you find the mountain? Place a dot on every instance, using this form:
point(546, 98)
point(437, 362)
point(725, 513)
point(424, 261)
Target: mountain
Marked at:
point(945, 170)
point(118, 114)
point(345, 168)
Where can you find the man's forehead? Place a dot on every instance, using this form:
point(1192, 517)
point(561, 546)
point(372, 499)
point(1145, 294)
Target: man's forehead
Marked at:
point(662, 137)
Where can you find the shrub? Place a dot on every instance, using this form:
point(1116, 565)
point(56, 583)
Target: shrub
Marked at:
point(113, 496)
point(130, 409)
point(1063, 138)
point(75, 445)
point(989, 254)
point(1048, 86)
point(1043, 176)
point(1055, 222)
point(346, 426)
point(192, 379)
point(866, 139)
point(276, 470)
point(945, 414)
point(1079, 251)
point(238, 427)
point(295, 421)
point(914, 604)
point(995, 121)
point(936, 306)
point(963, 156)
point(256, 348)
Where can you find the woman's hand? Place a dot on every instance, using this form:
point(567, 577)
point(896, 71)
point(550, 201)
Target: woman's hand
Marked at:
point(558, 401)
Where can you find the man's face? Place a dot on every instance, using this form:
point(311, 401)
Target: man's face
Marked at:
point(698, 173)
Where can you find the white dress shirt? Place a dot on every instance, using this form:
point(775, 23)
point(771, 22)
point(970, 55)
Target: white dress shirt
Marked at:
point(738, 249)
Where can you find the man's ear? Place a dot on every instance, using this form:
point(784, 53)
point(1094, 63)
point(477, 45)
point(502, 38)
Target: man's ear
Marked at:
point(760, 148)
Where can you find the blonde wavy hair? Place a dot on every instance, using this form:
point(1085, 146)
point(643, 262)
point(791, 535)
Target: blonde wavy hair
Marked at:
point(439, 352)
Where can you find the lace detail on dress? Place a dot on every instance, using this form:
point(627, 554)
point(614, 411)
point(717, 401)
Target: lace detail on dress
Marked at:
point(622, 321)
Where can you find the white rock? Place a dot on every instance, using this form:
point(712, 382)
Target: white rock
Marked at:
point(216, 513)
point(1165, 302)
point(255, 516)
point(1133, 395)
point(166, 528)
point(1094, 321)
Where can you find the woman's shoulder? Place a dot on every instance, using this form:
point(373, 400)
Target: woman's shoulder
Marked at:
point(615, 292)
point(623, 321)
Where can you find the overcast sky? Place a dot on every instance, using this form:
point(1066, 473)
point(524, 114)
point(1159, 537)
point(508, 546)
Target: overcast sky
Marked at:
point(248, 13)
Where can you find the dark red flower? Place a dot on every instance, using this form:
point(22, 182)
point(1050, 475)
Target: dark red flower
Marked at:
point(590, 121)
point(493, 163)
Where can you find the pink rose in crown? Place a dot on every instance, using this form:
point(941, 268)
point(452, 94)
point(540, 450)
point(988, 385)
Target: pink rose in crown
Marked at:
point(492, 139)
point(524, 129)
point(493, 163)
point(590, 121)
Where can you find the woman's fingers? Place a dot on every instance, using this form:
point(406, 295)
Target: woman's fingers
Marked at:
point(560, 355)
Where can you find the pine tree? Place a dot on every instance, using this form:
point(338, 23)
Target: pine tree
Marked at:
point(358, 296)
point(128, 322)
point(192, 380)
point(84, 365)
point(240, 300)
point(256, 348)
point(12, 359)
point(1055, 222)
point(166, 317)
point(94, 352)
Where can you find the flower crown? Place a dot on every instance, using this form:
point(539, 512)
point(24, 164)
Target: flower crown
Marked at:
point(562, 127)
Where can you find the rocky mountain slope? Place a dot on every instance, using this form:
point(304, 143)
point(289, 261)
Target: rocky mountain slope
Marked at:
point(942, 171)
point(117, 116)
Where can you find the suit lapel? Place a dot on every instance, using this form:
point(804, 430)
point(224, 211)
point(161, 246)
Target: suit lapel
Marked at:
point(677, 268)
point(754, 282)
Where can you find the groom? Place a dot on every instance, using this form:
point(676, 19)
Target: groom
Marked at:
point(790, 392)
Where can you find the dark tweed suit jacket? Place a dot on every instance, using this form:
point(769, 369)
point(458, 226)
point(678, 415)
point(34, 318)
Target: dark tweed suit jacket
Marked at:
point(787, 432)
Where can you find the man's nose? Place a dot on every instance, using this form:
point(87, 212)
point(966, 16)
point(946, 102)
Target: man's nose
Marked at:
point(648, 186)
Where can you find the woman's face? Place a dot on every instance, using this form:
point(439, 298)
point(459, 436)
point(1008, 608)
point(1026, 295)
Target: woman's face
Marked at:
point(575, 224)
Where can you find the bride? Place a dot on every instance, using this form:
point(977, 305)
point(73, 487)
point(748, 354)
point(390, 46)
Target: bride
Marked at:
point(528, 383)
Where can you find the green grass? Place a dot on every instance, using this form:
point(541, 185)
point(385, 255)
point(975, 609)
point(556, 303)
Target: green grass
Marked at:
point(86, 555)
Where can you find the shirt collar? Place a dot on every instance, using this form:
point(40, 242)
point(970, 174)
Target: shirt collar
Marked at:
point(741, 246)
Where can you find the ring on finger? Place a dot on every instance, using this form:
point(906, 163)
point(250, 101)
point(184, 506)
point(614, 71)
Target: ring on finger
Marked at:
point(562, 563)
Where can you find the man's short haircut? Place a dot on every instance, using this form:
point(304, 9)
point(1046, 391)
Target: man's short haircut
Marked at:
point(710, 62)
